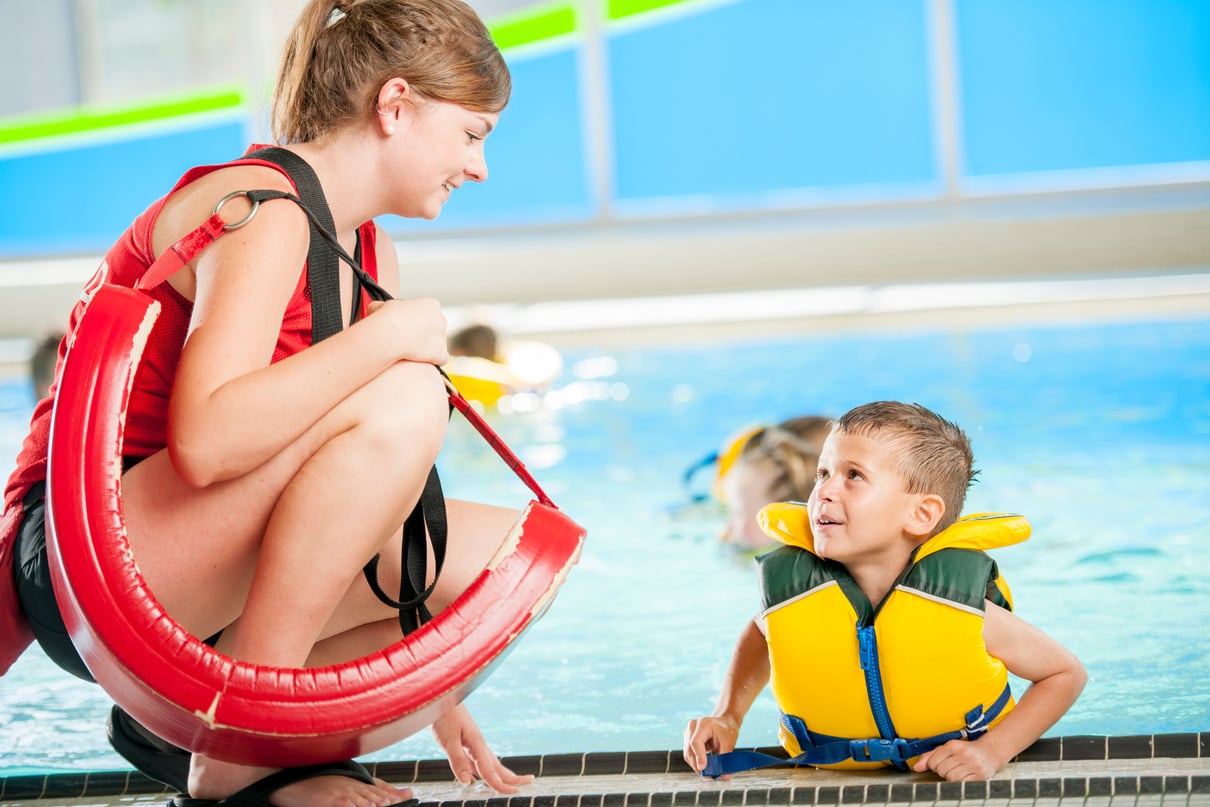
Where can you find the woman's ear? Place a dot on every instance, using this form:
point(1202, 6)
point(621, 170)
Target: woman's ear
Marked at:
point(926, 515)
point(392, 96)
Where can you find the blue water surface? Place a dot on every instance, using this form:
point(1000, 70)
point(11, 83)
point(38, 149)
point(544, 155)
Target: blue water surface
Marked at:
point(1099, 433)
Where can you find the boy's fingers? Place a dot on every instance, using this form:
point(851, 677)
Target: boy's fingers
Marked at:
point(693, 757)
point(693, 747)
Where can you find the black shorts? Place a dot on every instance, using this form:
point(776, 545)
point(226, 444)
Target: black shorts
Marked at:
point(31, 571)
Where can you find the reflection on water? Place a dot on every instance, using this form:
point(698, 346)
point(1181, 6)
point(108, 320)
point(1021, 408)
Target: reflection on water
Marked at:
point(1100, 435)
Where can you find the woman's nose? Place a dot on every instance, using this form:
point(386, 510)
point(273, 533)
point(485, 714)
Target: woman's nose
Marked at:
point(477, 170)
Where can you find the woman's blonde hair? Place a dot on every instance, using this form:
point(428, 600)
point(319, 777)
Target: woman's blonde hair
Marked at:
point(341, 52)
point(791, 450)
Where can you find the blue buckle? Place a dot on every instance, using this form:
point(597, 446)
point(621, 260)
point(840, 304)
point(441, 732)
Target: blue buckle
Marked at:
point(878, 750)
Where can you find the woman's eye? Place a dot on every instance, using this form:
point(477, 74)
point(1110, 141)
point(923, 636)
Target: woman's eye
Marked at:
point(472, 137)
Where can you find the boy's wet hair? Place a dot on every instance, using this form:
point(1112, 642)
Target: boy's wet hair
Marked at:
point(934, 454)
point(341, 52)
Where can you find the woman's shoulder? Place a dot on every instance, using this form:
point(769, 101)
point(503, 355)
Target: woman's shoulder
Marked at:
point(208, 180)
point(199, 192)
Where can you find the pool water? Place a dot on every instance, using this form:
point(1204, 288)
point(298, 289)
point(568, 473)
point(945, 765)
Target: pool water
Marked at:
point(1099, 433)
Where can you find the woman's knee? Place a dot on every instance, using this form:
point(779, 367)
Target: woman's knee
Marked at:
point(405, 409)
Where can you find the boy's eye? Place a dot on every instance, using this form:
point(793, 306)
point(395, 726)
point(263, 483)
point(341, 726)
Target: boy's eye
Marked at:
point(472, 137)
point(854, 474)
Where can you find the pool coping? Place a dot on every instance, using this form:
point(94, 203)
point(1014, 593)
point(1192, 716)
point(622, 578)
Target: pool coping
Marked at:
point(1081, 766)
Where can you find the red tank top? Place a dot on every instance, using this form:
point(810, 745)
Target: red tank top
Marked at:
point(147, 414)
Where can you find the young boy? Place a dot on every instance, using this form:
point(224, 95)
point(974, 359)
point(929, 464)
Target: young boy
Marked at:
point(885, 631)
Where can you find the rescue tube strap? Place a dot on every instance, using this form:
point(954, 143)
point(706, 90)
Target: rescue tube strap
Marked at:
point(412, 592)
point(821, 749)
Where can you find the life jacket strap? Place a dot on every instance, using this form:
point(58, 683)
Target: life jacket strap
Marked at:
point(822, 749)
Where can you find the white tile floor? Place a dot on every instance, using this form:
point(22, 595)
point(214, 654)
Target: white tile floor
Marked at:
point(805, 783)
point(1183, 782)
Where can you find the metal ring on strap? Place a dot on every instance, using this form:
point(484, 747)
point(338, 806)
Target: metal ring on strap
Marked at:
point(237, 224)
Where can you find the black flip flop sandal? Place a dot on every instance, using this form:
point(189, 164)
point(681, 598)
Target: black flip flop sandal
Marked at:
point(257, 794)
point(154, 758)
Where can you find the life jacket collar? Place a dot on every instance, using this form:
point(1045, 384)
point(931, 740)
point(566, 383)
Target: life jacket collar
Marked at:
point(790, 523)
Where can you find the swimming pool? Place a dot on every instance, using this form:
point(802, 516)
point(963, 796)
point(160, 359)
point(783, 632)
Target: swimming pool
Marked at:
point(1099, 433)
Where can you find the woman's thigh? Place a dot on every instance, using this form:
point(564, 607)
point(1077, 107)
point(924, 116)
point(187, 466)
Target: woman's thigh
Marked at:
point(197, 548)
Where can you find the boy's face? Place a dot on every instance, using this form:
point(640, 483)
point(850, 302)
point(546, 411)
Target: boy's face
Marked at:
point(860, 508)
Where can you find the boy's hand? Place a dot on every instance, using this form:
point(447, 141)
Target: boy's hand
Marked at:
point(709, 735)
point(463, 743)
point(959, 761)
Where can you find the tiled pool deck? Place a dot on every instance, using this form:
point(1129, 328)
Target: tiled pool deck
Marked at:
point(1161, 769)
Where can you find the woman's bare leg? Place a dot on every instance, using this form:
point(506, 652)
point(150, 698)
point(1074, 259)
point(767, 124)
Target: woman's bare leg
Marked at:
point(306, 520)
point(338, 493)
point(361, 624)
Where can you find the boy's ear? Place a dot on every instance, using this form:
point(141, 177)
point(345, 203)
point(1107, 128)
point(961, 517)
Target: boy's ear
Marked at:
point(926, 515)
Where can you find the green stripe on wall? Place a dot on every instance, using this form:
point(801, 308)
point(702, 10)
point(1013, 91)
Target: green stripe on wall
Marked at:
point(83, 119)
point(533, 25)
point(626, 8)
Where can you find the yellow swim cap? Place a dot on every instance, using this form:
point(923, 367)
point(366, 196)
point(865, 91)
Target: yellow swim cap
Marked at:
point(732, 447)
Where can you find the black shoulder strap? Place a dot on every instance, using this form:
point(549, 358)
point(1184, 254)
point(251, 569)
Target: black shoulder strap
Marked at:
point(323, 274)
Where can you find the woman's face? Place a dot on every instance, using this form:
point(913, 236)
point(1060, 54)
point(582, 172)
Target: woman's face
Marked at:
point(443, 148)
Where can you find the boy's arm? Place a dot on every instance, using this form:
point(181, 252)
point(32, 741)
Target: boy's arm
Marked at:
point(746, 677)
point(1057, 678)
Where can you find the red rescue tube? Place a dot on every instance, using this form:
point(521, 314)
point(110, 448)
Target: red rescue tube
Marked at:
point(199, 699)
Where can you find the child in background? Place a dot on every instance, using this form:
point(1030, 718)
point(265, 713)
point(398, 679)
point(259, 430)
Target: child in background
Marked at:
point(476, 340)
point(883, 602)
point(42, 364)
point(485, 371)
point(775, 464)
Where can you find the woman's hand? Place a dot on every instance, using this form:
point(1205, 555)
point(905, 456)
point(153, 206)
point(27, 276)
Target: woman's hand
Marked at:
point(417, 328)
point(469, 756)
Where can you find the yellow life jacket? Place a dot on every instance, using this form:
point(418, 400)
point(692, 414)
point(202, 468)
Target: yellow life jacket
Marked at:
point(861, 686)
point(481, 380)
point(522, 366)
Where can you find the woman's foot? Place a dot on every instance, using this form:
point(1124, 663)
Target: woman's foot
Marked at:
point(338, 784)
